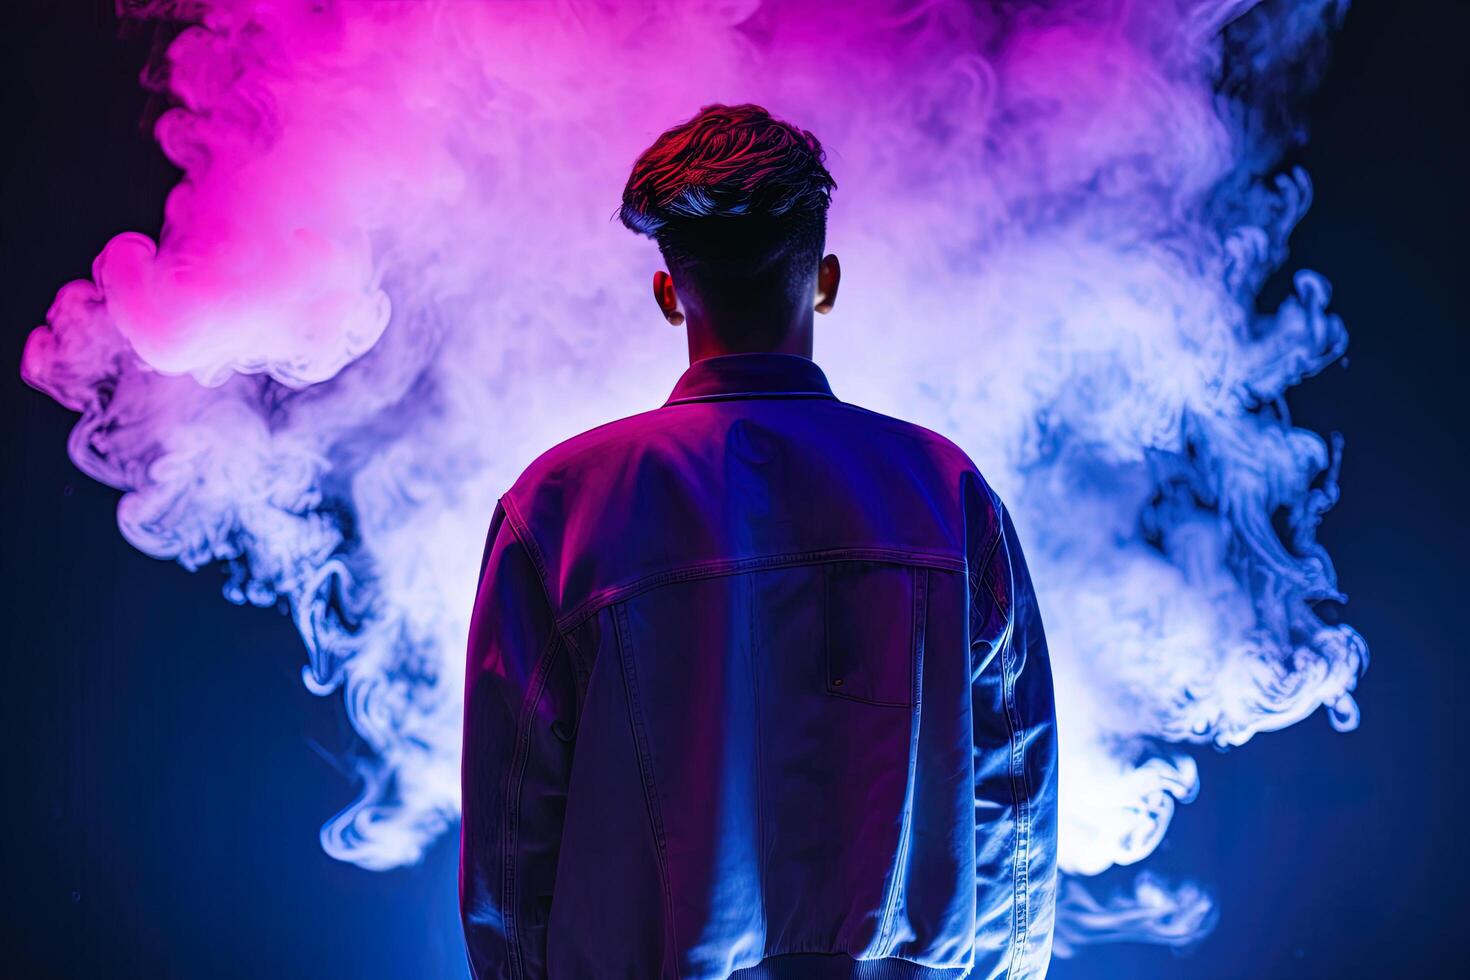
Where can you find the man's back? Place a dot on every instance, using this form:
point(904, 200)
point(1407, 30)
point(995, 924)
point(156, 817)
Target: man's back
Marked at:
point(757, 686)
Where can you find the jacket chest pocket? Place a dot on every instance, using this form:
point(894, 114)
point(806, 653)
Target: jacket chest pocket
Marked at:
point(874, 630)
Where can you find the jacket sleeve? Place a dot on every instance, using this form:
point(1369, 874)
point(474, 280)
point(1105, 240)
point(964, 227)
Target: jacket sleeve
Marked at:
point(1015, 749)
point(519, 720)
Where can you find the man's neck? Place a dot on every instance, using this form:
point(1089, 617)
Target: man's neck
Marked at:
point(705, 341)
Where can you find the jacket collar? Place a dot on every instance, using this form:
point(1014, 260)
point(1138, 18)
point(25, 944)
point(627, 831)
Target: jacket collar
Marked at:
point(760, 375)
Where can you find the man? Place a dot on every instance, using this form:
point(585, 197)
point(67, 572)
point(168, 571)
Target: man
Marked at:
point(757, 686)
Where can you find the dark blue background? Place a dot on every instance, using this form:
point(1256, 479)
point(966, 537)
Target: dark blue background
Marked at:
point(165, 798)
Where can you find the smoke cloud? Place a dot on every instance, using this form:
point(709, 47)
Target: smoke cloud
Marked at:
point(388, 279)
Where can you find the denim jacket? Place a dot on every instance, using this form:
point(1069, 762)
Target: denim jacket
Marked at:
point(757, 688)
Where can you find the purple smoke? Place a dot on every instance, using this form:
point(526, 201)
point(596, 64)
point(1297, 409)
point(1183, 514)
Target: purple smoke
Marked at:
point(388, 279)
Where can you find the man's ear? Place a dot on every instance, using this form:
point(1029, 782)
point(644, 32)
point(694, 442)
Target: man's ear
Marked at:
point(829, 276)
point(667, 298)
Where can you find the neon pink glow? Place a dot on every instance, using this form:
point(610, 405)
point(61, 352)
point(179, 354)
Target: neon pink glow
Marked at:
point(389, 278)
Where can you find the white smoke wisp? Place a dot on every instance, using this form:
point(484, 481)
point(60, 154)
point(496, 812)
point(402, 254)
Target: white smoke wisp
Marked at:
point(388, 279)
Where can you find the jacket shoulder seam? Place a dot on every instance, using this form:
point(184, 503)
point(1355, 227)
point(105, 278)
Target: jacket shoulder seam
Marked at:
point(527, 540)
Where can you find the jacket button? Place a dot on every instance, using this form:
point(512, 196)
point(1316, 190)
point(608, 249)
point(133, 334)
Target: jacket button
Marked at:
point(837, 682)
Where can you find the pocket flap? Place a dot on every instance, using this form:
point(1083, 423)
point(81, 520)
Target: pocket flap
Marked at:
point(871, 614)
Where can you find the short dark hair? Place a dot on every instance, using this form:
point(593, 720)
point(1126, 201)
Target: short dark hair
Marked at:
point(735, 199)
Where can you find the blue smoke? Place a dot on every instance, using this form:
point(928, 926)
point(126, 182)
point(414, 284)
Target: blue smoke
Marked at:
point(388, 280)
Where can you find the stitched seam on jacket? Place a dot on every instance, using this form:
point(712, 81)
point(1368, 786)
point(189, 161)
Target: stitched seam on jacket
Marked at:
point(521, 531)
point(528, 541)
point(1020, 873)
point(645, 765)
point(1026, 801)
point(760, 767)
point(730, 566)
point(916, 673)
point(581, 676)
point(512, 813)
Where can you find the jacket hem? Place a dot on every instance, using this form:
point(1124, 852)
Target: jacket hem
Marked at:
point(840, 966)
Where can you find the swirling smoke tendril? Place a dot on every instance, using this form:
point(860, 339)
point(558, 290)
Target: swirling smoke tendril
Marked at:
point(388, 278)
